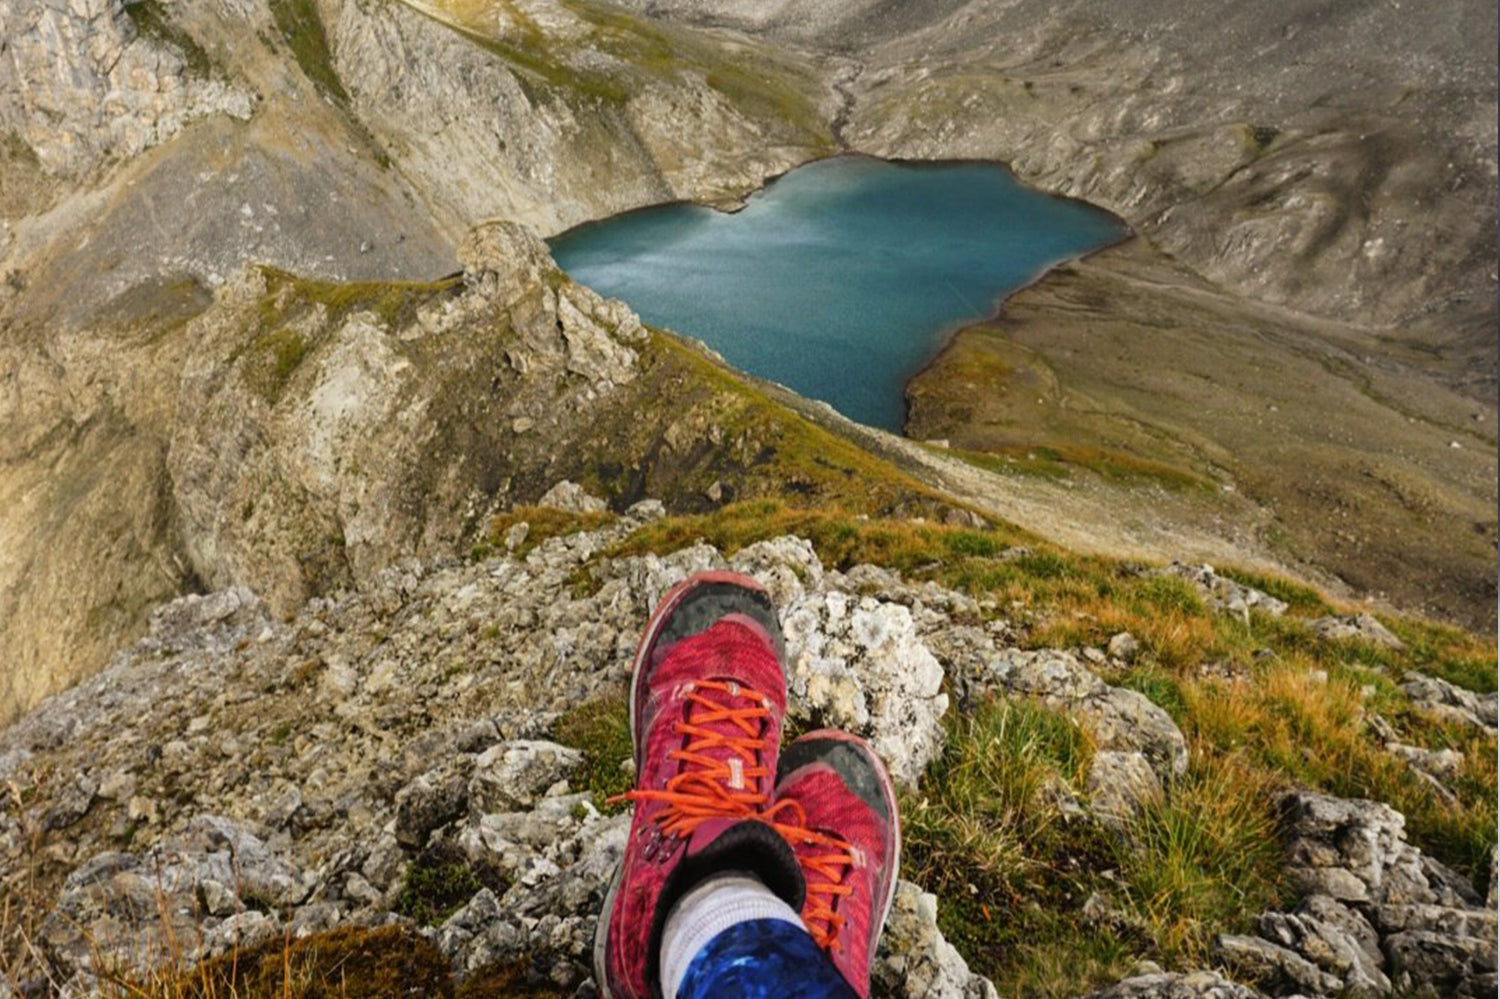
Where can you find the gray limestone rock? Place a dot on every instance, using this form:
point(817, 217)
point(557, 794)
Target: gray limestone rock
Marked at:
point(1124, 646)
point(1360, 627)
point(1453, 965)
point(432, 800)
point(858, 663)
point(1123, 720)
point(1329, 946)
point(570, 497)
point(1173, 985)
point(514, 775)
point(1120, 784)
point(1274, 967)
point(133, 910)
point(1452, 702)
point(914, 961)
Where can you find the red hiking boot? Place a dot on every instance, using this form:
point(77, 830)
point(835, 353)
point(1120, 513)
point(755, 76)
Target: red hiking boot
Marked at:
point(706, 706)
point(836, 805)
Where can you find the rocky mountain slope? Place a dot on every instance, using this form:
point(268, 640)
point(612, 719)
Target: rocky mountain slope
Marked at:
point(254, 349)
point(152, 150)
point(434, 752)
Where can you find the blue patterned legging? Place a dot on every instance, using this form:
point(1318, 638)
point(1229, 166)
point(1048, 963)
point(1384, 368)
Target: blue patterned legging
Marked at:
point(763, 959)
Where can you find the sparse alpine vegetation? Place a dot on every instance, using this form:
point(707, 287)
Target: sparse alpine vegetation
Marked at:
point(1041, 885)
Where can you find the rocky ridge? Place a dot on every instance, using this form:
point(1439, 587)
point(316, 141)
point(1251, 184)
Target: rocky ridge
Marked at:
point(237, 774)
point(229, 123)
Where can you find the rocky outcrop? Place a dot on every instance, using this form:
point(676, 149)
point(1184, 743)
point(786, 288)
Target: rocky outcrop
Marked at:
point(86, 83)
point(1454, 703)
point(1224, 594)
point(1163, 985)
point(1378, 915)
point(273, 773)
point(263, 773)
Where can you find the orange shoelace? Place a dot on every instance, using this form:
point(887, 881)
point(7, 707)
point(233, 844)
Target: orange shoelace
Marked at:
point(710, 787)
point(823, 872)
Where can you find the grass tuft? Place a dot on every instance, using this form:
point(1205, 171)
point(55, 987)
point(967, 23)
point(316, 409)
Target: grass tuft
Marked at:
point(600, 729)
point(437, 885)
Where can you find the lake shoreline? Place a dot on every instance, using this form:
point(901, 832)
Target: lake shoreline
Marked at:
point(851, 256)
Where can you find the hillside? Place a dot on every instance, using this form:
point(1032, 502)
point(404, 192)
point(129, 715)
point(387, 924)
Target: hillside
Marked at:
point(232, 126)
point(330, 508)
point(435, 752)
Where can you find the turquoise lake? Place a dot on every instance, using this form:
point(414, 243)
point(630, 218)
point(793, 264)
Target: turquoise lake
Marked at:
point(840, 279)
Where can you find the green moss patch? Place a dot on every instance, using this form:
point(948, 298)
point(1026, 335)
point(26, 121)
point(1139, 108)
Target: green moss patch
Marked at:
point(301, 28)
point(394, 303)
point(437, 884)
point(392, 962)
point(600, 729)
point(273, 360)
point(150, 19)
point(542, 523)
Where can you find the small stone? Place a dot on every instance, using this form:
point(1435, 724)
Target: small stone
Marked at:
point(1361, 627)
point(1124, 646)
point(142, 809)
point(515, 535)
point(510, 776)
point(570, 497)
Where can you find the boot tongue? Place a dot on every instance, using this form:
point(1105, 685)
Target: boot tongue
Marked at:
point(739, 779)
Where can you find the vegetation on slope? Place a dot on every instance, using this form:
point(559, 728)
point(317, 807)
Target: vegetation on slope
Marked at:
point(1265, 706)
point(347, 963)
point(765, 85)
point(302, 29)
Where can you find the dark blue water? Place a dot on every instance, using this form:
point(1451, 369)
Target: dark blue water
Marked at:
point(842, 278)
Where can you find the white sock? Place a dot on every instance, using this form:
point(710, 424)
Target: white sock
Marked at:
point(720, 902)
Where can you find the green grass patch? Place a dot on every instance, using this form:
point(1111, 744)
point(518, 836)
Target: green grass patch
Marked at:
point(542, 523)
point(1443, 650)
point(1204, 859)
point(600, 730)
point(302, 29)
point(984, 834)
point(1159, 687)
point(437, 885)
point(1063, 461)
point(274, 358)
point(150, 19)
point(1303, 730)
point(1299, 598)
point(394, 303)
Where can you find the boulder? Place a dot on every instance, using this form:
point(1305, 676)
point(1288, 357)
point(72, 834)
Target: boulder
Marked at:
point(570, 497)
point(915, 961)
point(1355, 627)
point(858, 664)
point(1119, 719)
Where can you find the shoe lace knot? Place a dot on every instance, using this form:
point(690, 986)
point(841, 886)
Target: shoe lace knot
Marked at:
point(825, 858)
point(723, 757)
